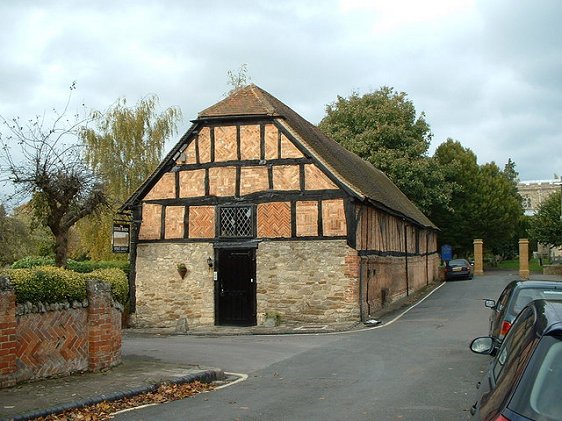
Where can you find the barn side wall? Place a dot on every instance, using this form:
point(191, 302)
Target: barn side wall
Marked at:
point(309, 281)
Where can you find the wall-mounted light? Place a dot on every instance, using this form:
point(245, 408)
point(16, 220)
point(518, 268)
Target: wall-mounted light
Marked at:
point(210, 262)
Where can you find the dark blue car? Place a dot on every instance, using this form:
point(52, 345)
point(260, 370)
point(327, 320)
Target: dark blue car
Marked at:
point(524, 380)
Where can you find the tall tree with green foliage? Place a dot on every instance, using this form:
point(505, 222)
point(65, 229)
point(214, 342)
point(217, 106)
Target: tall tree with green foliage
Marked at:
point(498, 208)
point(124, 146)
point(383, 128)
point(460, 170)
point(484, 202)
point(546, 224)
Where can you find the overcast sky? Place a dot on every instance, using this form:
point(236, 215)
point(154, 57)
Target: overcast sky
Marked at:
point(487, 73)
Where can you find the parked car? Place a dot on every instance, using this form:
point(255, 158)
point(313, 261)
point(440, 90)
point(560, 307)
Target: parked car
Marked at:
point(524, 380)
point(458, 269)
point(515, 296)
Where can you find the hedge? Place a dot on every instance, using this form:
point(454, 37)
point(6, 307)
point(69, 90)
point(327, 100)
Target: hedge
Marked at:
point(85, 266)
point(49, 284)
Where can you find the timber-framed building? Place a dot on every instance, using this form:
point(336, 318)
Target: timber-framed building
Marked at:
point(256, 212)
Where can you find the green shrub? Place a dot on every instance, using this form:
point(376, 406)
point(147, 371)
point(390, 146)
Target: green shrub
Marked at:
point(33, 261)
point(49, 284)
point(84, 266)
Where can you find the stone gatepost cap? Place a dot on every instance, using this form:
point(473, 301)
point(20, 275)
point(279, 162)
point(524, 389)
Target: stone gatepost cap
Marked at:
point(5, 284)
point(97, 285)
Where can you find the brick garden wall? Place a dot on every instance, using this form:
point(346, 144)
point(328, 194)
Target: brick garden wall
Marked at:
point(58, 340)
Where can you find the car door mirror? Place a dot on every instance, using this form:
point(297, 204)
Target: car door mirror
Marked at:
point(489, 303)
point(483, 345)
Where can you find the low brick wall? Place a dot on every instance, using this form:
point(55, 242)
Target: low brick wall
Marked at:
point(38, 341)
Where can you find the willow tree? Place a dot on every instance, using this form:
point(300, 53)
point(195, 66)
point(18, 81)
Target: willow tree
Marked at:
point(124, 145)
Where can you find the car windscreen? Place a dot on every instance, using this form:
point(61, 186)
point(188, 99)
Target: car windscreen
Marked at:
point(525, 295)
point(538, 395)
point(458, 262)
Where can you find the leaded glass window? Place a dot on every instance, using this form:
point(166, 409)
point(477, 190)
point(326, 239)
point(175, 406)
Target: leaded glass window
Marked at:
point(236, 221)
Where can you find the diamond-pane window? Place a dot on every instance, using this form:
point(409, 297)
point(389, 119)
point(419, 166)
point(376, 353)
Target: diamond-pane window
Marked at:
point(236, 222)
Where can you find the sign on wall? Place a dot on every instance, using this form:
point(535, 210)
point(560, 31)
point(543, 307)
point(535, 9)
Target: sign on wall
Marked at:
point(121, 236)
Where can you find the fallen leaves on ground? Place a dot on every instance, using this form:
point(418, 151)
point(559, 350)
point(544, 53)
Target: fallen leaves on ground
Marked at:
point(103, 411)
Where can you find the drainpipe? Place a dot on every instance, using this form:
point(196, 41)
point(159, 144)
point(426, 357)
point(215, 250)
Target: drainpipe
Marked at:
point(361, 288)
point(427, 258)
point(406, 254)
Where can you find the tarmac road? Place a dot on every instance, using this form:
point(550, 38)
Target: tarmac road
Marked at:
point(418, 367)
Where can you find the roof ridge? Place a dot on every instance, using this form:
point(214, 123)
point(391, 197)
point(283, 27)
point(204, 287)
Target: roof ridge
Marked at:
point(248, 100)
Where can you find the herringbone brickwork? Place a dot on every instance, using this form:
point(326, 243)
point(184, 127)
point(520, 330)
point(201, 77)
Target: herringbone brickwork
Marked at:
point(274, 220)
point(202, 222)
point(51, 343)
point(61, 342)
point(222, 181)
point(288, 149)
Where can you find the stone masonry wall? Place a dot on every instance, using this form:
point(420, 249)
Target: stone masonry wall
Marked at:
point(53, 342)
point(164, 299)
point(307, 281)
point(300, 280)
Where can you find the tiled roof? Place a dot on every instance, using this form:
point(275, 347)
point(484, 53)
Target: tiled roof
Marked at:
point(245, 101)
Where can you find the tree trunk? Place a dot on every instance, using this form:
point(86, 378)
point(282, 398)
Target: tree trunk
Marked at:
point(61, 246)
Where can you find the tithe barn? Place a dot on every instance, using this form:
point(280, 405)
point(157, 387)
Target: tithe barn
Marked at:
point(256, 212)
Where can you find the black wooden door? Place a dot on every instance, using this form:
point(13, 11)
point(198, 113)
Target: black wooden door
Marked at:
point(236, 287)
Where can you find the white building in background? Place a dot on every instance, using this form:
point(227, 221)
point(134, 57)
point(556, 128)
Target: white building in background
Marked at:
point(534, 193)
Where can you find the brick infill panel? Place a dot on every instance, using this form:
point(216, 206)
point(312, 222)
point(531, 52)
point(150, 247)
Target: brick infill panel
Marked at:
point(48, 343)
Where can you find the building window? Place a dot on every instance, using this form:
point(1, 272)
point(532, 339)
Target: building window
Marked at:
point(236, 222)
point(526, 202)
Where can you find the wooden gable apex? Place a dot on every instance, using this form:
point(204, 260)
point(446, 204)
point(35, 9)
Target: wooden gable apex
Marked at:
point(349, 172)
point(230, 112)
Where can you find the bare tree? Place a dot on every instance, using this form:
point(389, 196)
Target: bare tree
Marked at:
point(51, 171)
point(238, 79)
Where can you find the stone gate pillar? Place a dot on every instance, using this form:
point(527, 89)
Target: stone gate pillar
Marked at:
point(478, 257)
point(524, 258)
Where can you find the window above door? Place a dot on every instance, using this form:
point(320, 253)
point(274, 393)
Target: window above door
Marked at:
point(236, 222)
